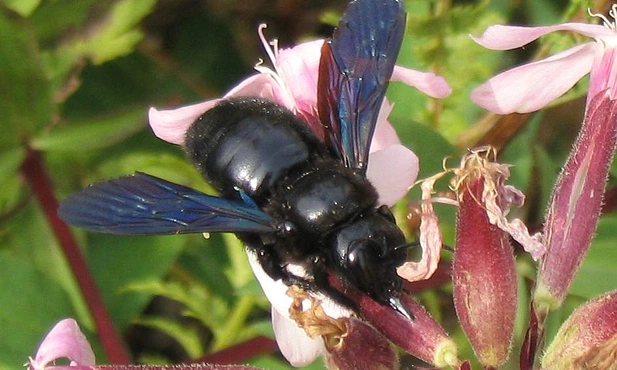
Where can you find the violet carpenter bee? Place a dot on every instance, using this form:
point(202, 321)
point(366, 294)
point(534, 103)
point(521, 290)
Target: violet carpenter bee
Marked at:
point(289, 196)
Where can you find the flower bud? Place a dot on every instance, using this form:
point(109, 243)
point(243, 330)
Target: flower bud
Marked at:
point(576, 202)
point(360, 348)
point(422, 336)
point(483, 270)
point(350, 343)
point(587, 339)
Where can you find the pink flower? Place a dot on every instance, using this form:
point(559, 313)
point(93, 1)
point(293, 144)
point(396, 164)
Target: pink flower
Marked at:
point(292, 83)
point(65, 340)
point(392, 168)
point(532, 86)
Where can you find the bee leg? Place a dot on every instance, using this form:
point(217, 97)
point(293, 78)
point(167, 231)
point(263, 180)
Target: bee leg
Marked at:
point(274, 266)
point(322, 275)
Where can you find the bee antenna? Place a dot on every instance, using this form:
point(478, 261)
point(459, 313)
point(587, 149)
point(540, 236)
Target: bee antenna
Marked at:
point(407, 245)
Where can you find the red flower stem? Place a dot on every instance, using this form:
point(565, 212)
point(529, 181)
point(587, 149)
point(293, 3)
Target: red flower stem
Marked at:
point(534, 339)
point(241, 352)
point(34, 171)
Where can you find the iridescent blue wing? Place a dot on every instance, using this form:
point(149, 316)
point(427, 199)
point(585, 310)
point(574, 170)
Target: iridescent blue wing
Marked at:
point(141, 204)
point(354, 72)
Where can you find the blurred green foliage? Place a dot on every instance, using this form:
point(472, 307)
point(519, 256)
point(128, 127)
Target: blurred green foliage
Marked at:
point(76, 81)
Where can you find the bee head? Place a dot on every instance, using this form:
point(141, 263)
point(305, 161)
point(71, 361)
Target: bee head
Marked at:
point(366, 254)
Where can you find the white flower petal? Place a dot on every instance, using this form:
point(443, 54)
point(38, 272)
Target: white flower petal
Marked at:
point(500, 37)
point(532, 86)
point(297, 347)
point(392, 171)
point(428, 83)
point(64, 340)
point(275, 291)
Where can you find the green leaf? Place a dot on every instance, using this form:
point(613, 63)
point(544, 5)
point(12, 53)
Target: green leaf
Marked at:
point(429, 145)
point(54, 19)
point(27, 314)
point(27, 235)
point(25, 93)
point(207, 262)
point(187, 337)
point(91, 135)
point(117, 262)
point(119, 36)
point(199, 302)
point(105, 38)
point(597, 274)
point(23, 7)
point(10, 161)
point(519, 153)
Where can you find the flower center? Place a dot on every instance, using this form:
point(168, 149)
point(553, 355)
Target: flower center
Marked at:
point(610, 22)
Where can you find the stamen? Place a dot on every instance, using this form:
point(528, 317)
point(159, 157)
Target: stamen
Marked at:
point(607, 22)
point(613, 12)
point(270, 47)
point(272, 51)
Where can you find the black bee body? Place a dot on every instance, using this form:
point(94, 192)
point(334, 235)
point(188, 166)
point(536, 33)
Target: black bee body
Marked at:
point(290, 196)
point(326, 213)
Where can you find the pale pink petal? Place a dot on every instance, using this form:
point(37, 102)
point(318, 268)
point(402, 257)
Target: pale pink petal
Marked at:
point(603, 72)
point(532, 86)
point(171, 125)
point(498, 199)
point(428, 83)
point(65, 340)
point(299, 67)
point(255, 85)
point(430, 241)
point(500, 37)
point(384, 135)
point(430, 237)
point(297, 347)
point(392, 171)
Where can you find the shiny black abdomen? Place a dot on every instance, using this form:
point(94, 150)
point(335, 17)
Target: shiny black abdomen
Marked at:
point(264, 150)
point(250, 144)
